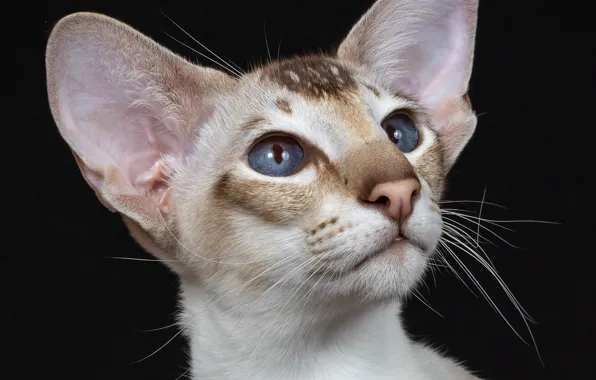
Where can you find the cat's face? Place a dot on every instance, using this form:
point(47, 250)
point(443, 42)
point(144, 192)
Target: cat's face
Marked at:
point(319, 175)
point(294, 158)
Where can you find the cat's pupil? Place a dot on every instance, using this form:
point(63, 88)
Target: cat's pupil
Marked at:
point(396, 135)
point(276, 156)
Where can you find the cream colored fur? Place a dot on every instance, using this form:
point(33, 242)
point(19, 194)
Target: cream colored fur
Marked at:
point(269, 288)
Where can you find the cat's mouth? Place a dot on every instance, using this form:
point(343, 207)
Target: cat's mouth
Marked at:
point(400, 240)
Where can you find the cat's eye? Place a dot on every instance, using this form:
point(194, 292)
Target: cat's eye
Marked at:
point(401, 131)
point(276, 156)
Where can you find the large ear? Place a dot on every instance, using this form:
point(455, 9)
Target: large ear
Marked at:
point(425, 49)
point(126, 107)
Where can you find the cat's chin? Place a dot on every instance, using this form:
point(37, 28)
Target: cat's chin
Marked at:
point(390, 273)
point(396, 248)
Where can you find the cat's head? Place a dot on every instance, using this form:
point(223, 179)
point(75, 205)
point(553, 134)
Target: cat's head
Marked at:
point(324, 171)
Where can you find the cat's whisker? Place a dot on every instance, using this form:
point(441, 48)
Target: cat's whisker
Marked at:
point(223, 62)
point(176, 324)
point(183, 374)
point(474, 220)
point(454, 223)
point(479, 218)
point(497, 221)
point(143, 260)
point(432, 266)
point(482, 290)
point(217, 297)
point(233, 72)
point(465, 235)
point(488, 267)
point(473, 201)
point(516, 304)
point(285, 278)
point(159, 349)
point(319, 260)
point(313, 287)
point(420, 298)
point(200, 256)
point(267, 43)
point(441, 255)
point(320, 263)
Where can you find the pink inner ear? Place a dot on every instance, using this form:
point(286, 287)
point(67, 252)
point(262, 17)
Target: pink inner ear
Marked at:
point(423, 48)
point(127, 107)
point(444, 59)
point(108, 131)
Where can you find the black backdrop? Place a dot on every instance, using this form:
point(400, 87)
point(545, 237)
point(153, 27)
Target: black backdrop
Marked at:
point(84, 315)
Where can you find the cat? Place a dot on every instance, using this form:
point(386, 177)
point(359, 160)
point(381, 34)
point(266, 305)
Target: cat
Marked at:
point(299, 202)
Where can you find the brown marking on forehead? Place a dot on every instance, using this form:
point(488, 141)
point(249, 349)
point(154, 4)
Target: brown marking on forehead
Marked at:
point(314, 76)
point(430, 167)
point(284, 106)
point(273, 202)
point(253, 122)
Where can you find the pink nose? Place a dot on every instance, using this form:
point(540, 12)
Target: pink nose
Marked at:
point(396, 197)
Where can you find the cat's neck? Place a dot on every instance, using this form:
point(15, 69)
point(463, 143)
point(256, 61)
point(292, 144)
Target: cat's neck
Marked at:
point(257, 341)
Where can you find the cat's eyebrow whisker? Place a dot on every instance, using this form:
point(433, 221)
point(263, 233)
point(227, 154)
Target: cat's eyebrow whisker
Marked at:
point(278, 48)
point(239, 73)
point(267, 43)
point(234, 72)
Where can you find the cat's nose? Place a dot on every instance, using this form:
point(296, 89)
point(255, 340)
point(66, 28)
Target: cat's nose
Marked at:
point(396, 197)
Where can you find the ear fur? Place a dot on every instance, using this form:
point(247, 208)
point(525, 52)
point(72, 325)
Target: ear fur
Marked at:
point(424, 49)
point(126, 107)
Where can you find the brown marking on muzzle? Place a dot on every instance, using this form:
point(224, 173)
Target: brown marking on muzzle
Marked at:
point(373, 163)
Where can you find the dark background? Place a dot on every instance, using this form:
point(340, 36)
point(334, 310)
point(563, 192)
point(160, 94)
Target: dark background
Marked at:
point(80, 314)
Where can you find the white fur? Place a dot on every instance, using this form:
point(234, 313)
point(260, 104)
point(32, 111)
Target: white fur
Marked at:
point(369, 343)
point(313, 313)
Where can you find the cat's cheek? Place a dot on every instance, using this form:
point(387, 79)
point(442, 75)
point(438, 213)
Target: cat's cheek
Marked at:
point(273, 202)
point(425, 225)
point(430, 169)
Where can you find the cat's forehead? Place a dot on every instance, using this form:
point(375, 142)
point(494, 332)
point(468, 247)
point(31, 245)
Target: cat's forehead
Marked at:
point(313, 77)
point(322, 94)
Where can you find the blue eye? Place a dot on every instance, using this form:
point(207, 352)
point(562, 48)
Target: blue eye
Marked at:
point(276, 156)
point(402, 132)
